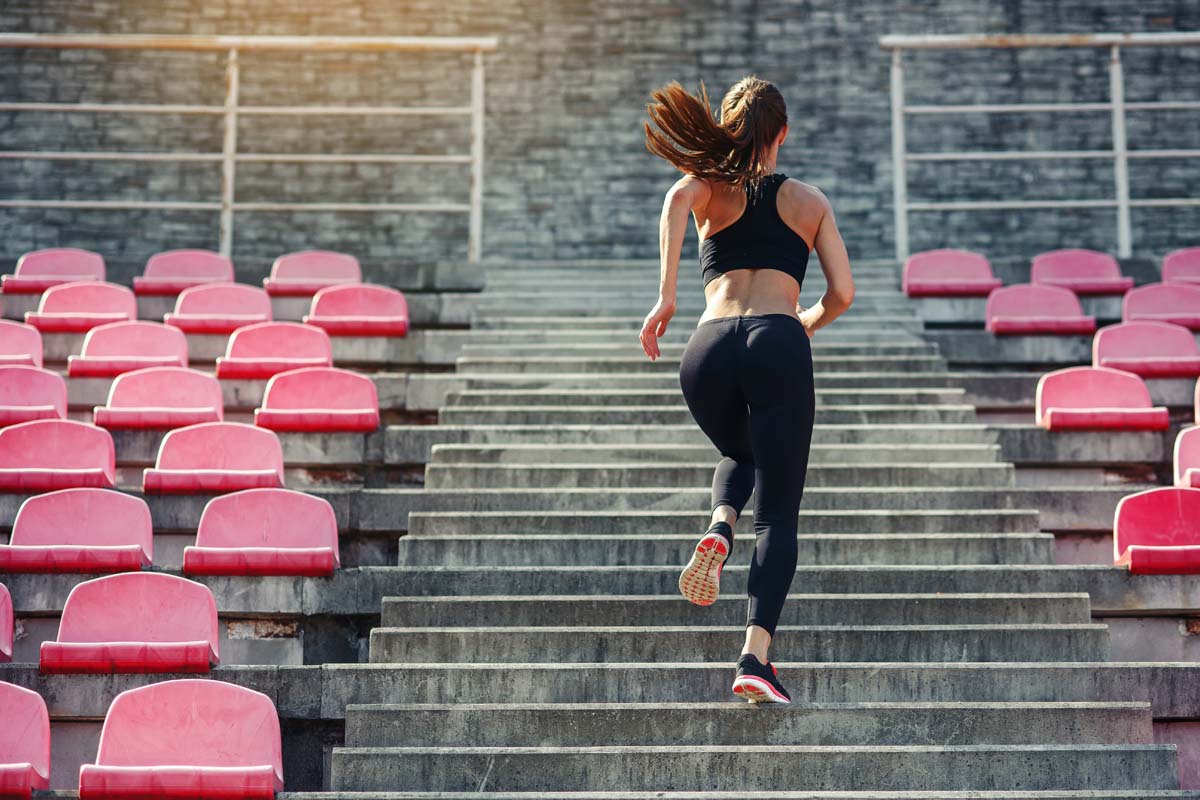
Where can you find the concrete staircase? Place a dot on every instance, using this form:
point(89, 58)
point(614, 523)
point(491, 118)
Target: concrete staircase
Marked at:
point(559, 661)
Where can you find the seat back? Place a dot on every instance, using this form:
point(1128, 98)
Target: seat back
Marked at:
point(56, 443)
point(1182, 266)
point(18, 339)
point(25, 734)
point(1143, 339)
point(192, 264)
point(220, 445)
point(1187, 452)
point(61, 262)
point(223, 298)
point(89, 297)
point(1091, 387)
point(1161, 298)
point(6, 638)
point(33, 386)
point(1163, 517)
point(135, 339)
point(84, 517)
point(139, 607)
point(279, 340)
point(268, 518)
point(364, 299)
point(166, 387)
point(320, 387)
point(317, 265)
point(1032, 300)
point(946, 264)
point(1073, 263)
point(191, 722)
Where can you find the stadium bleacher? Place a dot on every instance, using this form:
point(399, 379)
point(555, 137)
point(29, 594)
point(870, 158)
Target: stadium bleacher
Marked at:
point(1080, 270)
point(319, 399)
point(266, 348)
point(1182, 266)
point(173, 271)
point(47, 454)
point(307, 272)
point(81, 530)
point(1155, 531)
point(219, 308)
point(1033, 308)
point(1148, 349)
point(215, 457)
point(161, 397)
point(38, 270)
point(6, 627)
point(24, 738)
point(109, 350)
point(20, 344)
point(359, 309)
point(1176, 303)
point(29, 393)
point(79, 307)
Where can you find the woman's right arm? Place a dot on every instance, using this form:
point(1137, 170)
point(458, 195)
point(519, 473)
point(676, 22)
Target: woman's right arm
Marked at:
point(835, 263)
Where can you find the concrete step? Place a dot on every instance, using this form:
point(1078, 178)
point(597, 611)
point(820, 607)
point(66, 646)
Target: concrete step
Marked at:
point(559, 476)
point(679, 415)
point(959, 642)
point(538, 319)
point(876, 548)
point(831, 336)
point(628, 346)
point(819, 454)
point(756, 767)
point(1086, 794)
point(800, 609)
point(673, 397)
point(548, 364)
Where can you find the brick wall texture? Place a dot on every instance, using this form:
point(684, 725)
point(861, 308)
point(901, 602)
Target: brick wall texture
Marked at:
point(567, 174)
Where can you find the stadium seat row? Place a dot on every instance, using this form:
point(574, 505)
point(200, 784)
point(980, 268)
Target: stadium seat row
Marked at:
point(1031, 308)
point(1099, 398)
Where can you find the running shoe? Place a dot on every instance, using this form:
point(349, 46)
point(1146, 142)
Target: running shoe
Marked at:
point(758, 682)
point(700, 581)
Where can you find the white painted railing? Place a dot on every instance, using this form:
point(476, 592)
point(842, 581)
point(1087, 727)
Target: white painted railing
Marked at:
point(231, 109)
point(1117, 107)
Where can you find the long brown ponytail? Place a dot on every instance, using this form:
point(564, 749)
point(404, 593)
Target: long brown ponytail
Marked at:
point(729, 149)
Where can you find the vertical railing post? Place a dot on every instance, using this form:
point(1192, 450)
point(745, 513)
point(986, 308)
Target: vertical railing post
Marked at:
point(1116, 81)
point(475, 225)
point(229, 152)
point(899, 156)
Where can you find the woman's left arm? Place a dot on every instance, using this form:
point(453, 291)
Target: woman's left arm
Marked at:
point(688, 193)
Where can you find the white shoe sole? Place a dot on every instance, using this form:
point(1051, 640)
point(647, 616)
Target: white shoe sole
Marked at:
point(700, 581)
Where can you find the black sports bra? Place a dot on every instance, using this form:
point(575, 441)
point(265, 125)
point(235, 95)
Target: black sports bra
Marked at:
point(759, 239)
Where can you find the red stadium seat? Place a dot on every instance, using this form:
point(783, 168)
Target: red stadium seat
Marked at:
point(319, 399)
point(118, 347)
point(1196, 403)
point(216, 457)
point(265, 532)
point(135, 622)
point(1182, 266)
point(172, 271)
point(1096, 398)
point(1148, 349)
point(1158, 531)
point(161, 397)
point(79, 307)
point(187, 738)
point(24, 741)
point(38, 270)
point(49, 454)
point(1187, 458)
point(1163, 302)
point(262, 350)
point(29, 393)
point(1081, 271)
point(360, 309)
point(948, 273)
point(219, 308)
point(6, 632)
point(80, 530)
point(1029, 308)
point(309, 271)
point(20, 344)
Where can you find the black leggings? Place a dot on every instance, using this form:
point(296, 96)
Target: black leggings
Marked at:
point(748, 381)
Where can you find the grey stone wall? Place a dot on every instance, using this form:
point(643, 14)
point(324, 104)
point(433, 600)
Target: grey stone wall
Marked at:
point(567, 173)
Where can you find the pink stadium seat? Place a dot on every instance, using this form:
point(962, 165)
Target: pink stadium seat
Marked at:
point(1187, 458)
point(135, 622)
point(118, 347)
point(80, 530)
point(1081, 271)
point(1196, 403)
point(1148, 349)
point(319, 399)
point(360, 309)
point(1029, 308)
point(216, 457)
point(1182, 266)
point(161, 397)
point(20, 344)
point(6, 633)
point(29, 393)
point(219, 308)
point(1163, 302)
point(172, 271)
point(48, 454)
point(262, 350)
point(1096, 398)
point(38, 270)
point(265, 532)
point(187, 738)
point(24, 741)
point(309, 271)
point(79, 307)
point(1158, 531)
point(948, 273)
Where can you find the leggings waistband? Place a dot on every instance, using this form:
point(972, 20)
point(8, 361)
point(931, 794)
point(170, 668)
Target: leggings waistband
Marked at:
point(750, 316)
